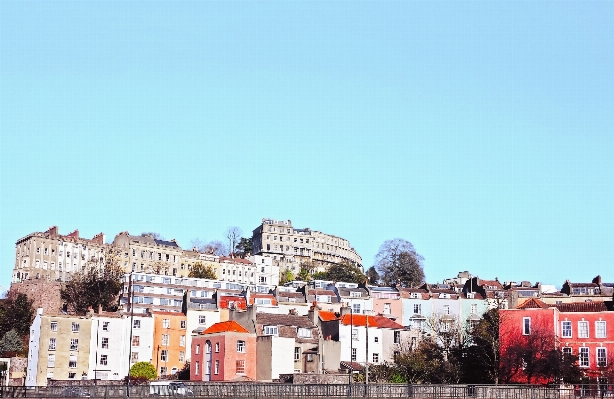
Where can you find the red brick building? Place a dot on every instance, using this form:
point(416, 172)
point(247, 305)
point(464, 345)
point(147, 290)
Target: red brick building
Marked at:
point(226, 351)
point(582, 329)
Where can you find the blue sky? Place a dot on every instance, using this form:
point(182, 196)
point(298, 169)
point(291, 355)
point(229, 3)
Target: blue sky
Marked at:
point(482, 132)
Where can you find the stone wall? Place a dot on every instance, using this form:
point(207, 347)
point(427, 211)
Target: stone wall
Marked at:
point(17, 372)
point(45, 294)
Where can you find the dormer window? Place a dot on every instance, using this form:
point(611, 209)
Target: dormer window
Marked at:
point(270, 330)
point(414, 295)
point(355, 294)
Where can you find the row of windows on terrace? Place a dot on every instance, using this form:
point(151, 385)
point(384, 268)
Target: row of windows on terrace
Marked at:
point(582, 330)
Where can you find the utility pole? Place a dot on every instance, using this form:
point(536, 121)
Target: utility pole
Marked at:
point(367, 354)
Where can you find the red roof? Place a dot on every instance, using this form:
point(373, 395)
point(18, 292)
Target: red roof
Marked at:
point(327, 316)
point(358, 320)
point(225, 326)
point(533, 303)
point(581, 307)
point(384, 322)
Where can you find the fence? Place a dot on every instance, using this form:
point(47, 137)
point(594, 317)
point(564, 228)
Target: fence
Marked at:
point(321, 391)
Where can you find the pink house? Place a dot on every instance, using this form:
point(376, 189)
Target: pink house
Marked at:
point(225, 351)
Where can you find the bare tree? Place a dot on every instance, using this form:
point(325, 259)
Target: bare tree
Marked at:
point(397, 262)
point(233, 234)
point(152, 234)
point(214, 247)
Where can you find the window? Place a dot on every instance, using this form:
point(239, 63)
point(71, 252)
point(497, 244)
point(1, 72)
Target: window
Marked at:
point(74, 344)
point(583, 329)
point(136, 340)
point(600, 330)
point(53, 326)
point(310, 357)
point(208, 347)
point(105, 343)
point(164, 355)
point(446, 309)
point(72, 375)
point(323, 298)
point(217, 347)
point(72, 364)
point(103, 360)
point(417, 308)
point(201, 319)
point(136, 324)
point(75, 327)
point(474, 308)
point(584, 357)
point(197, 350)
point(356, 307)
point(182, 340)
point(297, 354)
point(182, 356)
point(355, 294)
point(240, 366)
point(165, 339)
point(567, 351)
point(105, 326)
point(526, 325)
point(51, 344)
point(353, 354)
point(134, 358)
point(386, 308)
point(217, 367)
point(182, 324)
point(376, 358)
point(397, 337)
point(601, 357)
point(51, 360)
point(241, 346)
point(354, 333)
point(375, 339)
point(162, 370)
point(270, 330)
point(304, 333)
point(566, 329)
point(196, 368)
point(166, 323)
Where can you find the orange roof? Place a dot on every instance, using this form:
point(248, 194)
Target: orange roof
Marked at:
point(225, 326)
point(358, 320)
point(533, 303)
point(327, 316)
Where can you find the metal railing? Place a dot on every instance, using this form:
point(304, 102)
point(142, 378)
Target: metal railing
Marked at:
point(320, 391)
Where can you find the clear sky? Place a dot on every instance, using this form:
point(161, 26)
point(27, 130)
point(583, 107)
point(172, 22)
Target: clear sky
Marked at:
point(481, 131)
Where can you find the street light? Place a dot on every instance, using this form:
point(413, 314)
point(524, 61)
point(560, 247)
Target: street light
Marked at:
point(131, 302)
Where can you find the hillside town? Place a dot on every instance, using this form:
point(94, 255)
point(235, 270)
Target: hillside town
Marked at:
point(248, 321)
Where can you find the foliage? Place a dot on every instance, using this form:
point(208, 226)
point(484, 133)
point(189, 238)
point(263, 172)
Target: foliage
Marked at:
point(233, 234)
point(143, 370)
point(214, 247)
point(304, 274)
point(346, 272)
point(481, 357)
point(94, 286)
point(244, 247)
point(320, 276)
point(10, 344)
point(137, 380)
point(202, 271)
point(285, 276)
point(184, 373)
point(397, 262)
point(372, 275)
point(16, 313)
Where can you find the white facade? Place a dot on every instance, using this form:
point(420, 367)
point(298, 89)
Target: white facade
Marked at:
point(33, 349)
point(354, 340)
point(267, 273)
point(109, 348)
point(142, 348)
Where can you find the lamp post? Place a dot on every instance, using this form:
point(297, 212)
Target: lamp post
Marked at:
point(131, 302)
point(351, 347)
